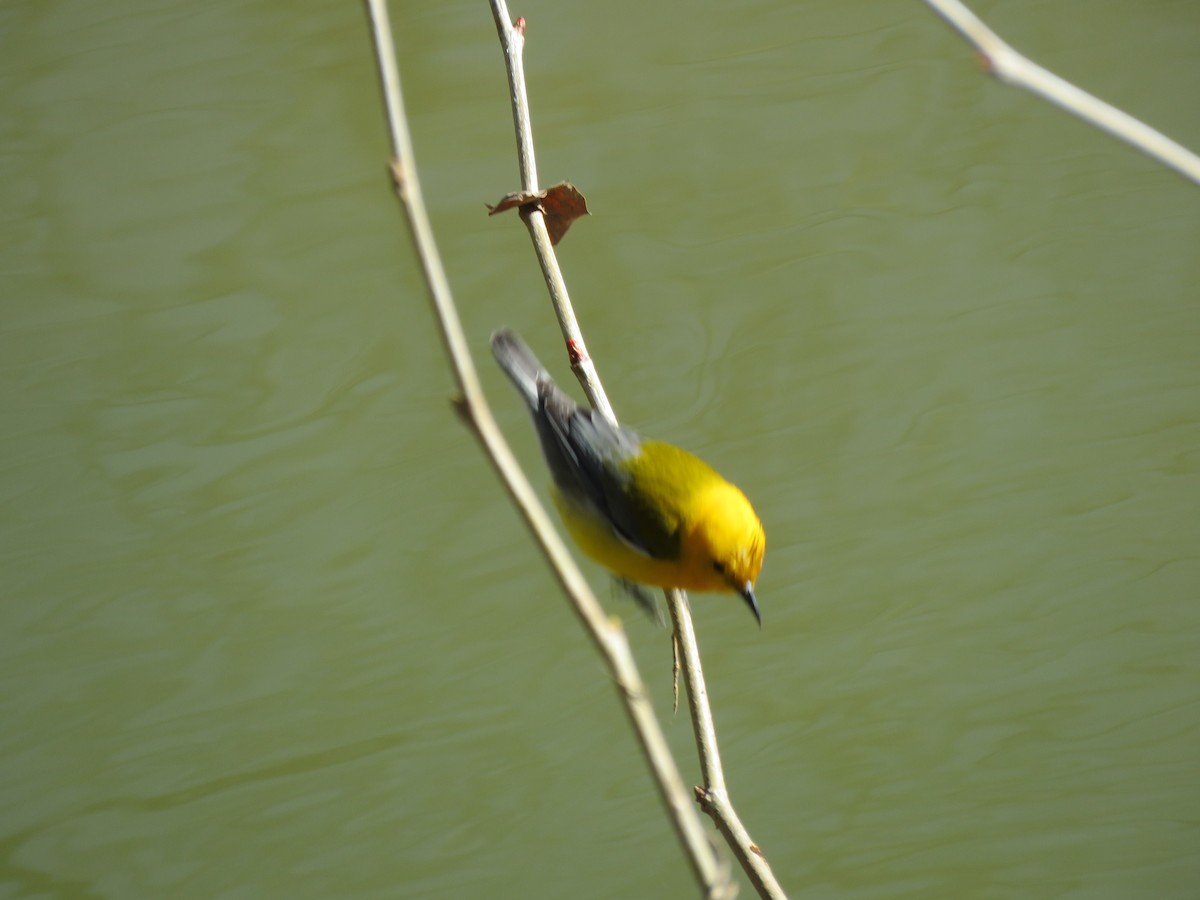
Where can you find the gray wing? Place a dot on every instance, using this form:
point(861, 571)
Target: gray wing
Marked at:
point(584, 452)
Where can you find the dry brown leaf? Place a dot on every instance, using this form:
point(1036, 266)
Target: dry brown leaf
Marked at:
point(561, 204)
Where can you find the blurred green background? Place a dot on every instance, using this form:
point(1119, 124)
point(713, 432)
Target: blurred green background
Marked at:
point(271, 629)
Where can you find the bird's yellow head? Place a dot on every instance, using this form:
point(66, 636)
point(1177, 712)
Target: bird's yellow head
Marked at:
point(727, 542)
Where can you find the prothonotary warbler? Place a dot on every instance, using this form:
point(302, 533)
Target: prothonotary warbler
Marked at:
point(650, 512)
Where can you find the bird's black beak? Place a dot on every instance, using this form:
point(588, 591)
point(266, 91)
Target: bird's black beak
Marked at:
point(747, 592)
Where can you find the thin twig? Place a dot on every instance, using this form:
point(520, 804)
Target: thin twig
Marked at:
point(714, 796)
point(607, 635)
point(512, 40)
point(1011, 67)
point(718, 806)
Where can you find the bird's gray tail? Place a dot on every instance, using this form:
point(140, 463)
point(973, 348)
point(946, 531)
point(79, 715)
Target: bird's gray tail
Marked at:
point(522, 367)
point(580, 446)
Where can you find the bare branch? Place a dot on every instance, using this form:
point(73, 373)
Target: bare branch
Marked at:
point(512, 40)
point(714, 796)
point(1012, 68)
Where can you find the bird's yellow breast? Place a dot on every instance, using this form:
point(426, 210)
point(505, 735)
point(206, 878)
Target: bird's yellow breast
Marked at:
point(714, 538)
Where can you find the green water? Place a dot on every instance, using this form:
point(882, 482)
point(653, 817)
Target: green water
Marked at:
point(269, 627)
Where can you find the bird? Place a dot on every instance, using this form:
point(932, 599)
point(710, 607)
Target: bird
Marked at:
point(650, 512)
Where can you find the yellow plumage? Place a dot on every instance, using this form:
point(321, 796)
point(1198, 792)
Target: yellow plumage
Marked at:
point(649, 511)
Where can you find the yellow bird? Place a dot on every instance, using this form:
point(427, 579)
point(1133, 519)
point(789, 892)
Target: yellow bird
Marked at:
point(650, 512)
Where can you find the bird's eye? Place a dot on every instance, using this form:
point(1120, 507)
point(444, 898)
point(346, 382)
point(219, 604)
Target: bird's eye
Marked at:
point(719, 566)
